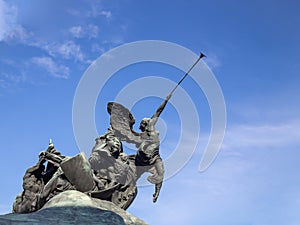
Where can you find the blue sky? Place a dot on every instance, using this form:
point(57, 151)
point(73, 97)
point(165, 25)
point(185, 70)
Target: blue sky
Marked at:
point(253, 49)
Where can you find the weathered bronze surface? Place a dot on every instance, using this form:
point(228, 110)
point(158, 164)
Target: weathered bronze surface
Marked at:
point(108, 174)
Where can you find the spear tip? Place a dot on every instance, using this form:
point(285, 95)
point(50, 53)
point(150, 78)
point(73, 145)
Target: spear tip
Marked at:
point(202, 55)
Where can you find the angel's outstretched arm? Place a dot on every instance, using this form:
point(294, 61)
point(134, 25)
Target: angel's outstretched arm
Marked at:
point(160, 109)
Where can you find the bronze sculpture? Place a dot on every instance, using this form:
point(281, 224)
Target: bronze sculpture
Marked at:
point(147, 158)
point(109, 173)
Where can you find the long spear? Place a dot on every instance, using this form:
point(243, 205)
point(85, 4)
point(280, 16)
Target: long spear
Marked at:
point(159, 111)
point(185, 75)
point(162, 106)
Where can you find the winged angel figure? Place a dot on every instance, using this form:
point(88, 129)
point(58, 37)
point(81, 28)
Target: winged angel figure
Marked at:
point(147, 158)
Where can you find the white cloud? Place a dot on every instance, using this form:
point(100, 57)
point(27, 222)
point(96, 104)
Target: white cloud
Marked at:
point(97, 48)
point(89, 31)
point(114, 40)
point(107, 14)
point(18, 33)
point(92, 31)
point(16, 74)
point(15, 77)
point(97, 10)
point(76, 31)
point(67, 50)
point(54, 69)
point(94, 10)
point(70, 50)
point(263, 135)
point(245, 179)
point(8, 16)
point(75, 40)
point(9, 28)
point(213, 61)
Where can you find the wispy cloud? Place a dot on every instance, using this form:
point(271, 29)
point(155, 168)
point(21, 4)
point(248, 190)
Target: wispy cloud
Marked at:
point(97, 48)
point(66, 50)
point(70, 50)
point(107, 14)
point(213, 61)
point(9, 28)
point(114, 40)
point(50, 45)
point(245, 179)
point(89, 31)
point(54, 69)
point(15, 78)
point(93, 11)
point(77, 31)
point(97, 10)
point(92, 31)
point(263, 135)
point(15, 75)
point(8, 16)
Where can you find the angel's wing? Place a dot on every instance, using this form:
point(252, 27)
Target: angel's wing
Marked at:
point(121, 121)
